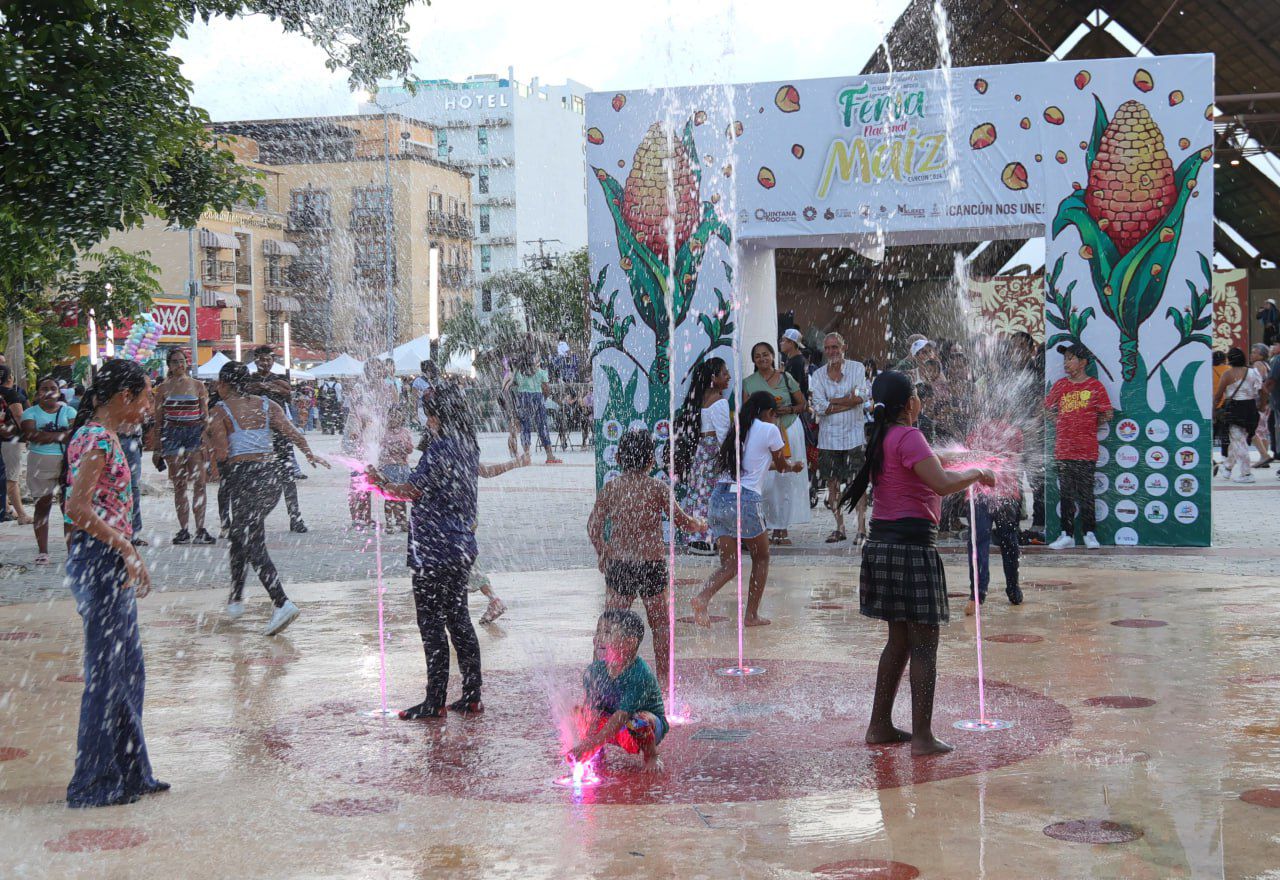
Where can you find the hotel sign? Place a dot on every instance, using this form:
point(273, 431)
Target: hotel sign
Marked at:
point(491, 101)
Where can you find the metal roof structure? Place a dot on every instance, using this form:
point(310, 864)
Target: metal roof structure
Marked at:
point(1244, 35)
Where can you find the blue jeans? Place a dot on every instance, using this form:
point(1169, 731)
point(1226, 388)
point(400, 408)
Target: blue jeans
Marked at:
point(111, 755)
point(722, 513)
point(133, 454)
point(532, 412)
point(998, 519)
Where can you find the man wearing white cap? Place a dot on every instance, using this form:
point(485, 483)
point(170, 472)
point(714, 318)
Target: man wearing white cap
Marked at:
point(921, 350)
point(793, 360)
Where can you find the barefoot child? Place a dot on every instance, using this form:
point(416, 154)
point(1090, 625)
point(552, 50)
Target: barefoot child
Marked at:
point(996, 513)
point(737, 502)
point(393, 464)
point(623, 699)
point(633, 559)
point(902, 581)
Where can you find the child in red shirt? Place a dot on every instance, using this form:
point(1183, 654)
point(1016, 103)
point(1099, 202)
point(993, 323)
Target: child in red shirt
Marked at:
point(1082, 405)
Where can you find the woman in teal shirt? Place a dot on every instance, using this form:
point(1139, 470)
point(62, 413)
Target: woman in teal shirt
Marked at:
point(46, 426)
point(532, 384)
point(786, 495)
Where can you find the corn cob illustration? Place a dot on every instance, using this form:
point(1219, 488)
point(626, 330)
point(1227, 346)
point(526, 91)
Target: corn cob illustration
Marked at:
point(1131, 178)
point(1129, 218)
point(661, 194)
point(663, 228)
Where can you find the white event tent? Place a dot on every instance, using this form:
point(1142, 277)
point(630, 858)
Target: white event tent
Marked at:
point(344, 366)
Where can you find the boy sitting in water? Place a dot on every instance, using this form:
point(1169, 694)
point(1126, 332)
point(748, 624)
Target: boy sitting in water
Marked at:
point(633, 557)
point(623, 699)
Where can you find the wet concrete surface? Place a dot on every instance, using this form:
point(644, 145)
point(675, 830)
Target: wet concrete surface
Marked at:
point(1137, 752)
point(1143, 687)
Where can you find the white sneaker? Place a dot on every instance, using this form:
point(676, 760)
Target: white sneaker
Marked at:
point(1247, 478)
point(1091, 541)
point(234, 610)
point(1062, 542)
point(283, 616)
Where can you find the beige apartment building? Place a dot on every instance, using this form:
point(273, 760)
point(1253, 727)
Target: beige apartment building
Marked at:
point(330, 178)
point(240, 259)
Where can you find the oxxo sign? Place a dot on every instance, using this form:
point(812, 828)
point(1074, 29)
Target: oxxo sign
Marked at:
point(478, 102)
point(174, 320)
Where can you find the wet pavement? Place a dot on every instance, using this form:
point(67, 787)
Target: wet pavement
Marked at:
point(1143, 690)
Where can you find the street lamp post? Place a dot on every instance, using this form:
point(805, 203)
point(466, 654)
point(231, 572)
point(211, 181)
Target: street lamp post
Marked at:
point(388, 288)
point(193, 289)
point(433, 299)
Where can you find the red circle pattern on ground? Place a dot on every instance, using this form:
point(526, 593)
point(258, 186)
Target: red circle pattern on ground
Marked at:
point(1120, 702)
point(867, 869)
point(828, 606)
point(761, 738)
point(349, 807)
point(1140, 623)
point(270, 660)
point(1014, 638)
point(71, 678)
point(714, 618)
point(87, 840)
point(12, 753)
point(1093, 831)
point(17, 636)
point(1262, 797)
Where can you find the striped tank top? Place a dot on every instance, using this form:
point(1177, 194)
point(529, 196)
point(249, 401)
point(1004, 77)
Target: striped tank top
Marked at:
point(182, 409)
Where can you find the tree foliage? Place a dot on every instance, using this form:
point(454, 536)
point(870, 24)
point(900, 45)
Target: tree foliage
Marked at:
point(98, 130)
point(555, 298)
point(489, 338)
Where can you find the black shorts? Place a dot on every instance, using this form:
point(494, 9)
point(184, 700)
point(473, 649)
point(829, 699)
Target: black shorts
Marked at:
point(841, 465)
point(646, 579)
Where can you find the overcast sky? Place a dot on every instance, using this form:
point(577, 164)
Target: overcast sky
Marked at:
point(249, 69)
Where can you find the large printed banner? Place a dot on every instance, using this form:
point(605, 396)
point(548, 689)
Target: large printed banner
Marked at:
point(1107, 159)
point(1128, 274)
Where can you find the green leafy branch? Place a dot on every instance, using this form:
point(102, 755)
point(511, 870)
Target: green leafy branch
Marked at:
point(1195, 318)
point(605, 321)
point(1070, 321)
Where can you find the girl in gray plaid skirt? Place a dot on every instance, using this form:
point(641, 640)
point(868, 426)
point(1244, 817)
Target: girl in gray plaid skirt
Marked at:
point(902, 582)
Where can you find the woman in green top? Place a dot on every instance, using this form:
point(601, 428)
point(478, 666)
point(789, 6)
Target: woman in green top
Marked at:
point(786, 495)
point(532, 385)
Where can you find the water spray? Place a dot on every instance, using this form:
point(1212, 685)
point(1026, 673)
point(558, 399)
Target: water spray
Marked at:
point(982, 723)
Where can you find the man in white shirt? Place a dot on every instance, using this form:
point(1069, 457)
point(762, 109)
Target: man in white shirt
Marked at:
point(839, 392)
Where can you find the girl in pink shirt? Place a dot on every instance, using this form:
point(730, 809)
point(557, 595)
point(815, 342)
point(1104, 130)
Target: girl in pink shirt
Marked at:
point(902, 582)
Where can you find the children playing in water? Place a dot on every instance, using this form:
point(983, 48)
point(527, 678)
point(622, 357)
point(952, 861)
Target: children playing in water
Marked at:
point(997, 511)
point(393, 464)
point(902, 580)
point(633, 559)
point(623, 699)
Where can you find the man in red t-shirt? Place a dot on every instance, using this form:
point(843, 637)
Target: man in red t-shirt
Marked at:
point(1082, 404)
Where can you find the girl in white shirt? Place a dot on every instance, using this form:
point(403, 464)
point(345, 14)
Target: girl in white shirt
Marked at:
point(701, 427)
point(736, 503)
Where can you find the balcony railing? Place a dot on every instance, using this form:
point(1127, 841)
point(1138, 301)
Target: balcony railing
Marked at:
point(367, 217)
point(244, 273)
point(457, 276)
point(217, 271)
point(278, 276)
point(245, 329)
point(306, 219)
point(229, 330)
point(455, 225)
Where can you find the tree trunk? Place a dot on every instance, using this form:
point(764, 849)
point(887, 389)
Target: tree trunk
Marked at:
point(15, 352)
